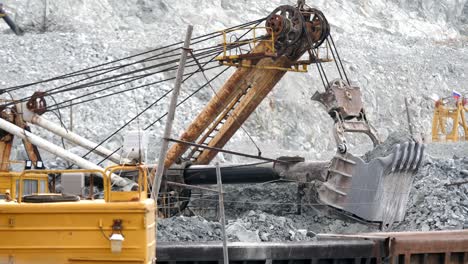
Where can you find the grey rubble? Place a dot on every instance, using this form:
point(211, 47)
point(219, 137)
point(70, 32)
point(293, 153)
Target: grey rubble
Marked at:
point(432, 206)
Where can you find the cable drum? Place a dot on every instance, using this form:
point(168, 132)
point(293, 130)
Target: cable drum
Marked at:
point(287, 23)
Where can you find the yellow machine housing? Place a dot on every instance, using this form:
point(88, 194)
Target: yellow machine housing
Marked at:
point(33, 183)
point(457, 117)
point(82, 231)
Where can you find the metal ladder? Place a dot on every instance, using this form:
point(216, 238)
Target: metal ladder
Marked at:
point(216, 126)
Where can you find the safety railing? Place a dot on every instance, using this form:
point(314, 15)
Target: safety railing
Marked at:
point(106, 174)
point(228, 46)
point(132, 195)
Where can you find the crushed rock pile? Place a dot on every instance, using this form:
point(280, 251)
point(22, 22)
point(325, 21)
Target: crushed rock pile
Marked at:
point(386, 147)
point(433, 205)
point(257, 226)
point(194, 228)
point(254, 226)
point(272, 198)
point(269, 212)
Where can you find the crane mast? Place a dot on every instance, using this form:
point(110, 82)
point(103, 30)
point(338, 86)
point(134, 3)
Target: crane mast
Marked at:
point(290, 33)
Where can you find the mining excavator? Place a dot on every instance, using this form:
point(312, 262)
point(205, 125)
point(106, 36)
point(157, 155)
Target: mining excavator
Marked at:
point(292, 39)
point(375, 191)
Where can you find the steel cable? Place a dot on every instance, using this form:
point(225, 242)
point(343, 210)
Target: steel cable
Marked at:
point(146, 109)
point(130, 79)
point(83, 71)
point(65, 104)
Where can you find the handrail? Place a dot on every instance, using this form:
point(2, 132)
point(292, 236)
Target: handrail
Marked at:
point(254, 40)
point(25, 172)
point(106, 175)
point(142, 179)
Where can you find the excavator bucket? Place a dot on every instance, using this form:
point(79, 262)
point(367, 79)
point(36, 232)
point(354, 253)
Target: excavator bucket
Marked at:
point(375, 191)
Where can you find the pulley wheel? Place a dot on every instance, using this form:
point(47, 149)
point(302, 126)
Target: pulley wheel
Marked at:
point(317, 26)
point(287, 22)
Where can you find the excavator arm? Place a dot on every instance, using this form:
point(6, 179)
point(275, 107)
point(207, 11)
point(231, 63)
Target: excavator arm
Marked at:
point(228, 110)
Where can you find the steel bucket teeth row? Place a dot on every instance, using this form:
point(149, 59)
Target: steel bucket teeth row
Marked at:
point(407, 157)
point(376, 191)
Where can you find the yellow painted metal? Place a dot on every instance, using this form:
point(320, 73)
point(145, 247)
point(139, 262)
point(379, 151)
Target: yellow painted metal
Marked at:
point(327, 57)
point(79, 232)
point(269, 43)
point(293, 68)
point(8, 181)
point(454, 116)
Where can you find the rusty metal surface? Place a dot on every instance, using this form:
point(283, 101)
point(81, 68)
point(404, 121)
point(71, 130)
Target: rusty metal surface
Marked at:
point(275, 24)
point(214, 127)
point(416, 247)
point(426, 242)
point(344, 105)
point(37, 103)
point(351, 251)
point(229, 108)
point(261, 83)
point(316, 25)
point(31, 150)
point(6, 139)
point(5, 151)
point(215, 106)
point(289, 22)
point(341, 98)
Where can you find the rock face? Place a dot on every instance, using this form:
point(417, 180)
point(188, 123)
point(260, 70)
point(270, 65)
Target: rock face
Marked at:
point(392, 49)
